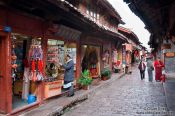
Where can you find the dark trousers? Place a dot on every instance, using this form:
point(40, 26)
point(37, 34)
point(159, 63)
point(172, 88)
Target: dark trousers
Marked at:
point(142, 74)
point(69, 89)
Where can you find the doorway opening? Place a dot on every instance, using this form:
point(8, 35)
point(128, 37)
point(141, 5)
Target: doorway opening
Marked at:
point(91, 60)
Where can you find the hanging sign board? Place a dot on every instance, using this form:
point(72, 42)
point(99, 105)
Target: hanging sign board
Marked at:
point(166, 46)
point(169, 54)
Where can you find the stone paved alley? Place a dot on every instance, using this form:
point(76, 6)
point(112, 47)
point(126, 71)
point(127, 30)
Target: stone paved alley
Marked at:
point(127, 96)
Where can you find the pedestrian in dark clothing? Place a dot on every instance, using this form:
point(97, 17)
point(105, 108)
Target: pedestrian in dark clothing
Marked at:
point(150, 69)
point(142, 68)
point(69, 75)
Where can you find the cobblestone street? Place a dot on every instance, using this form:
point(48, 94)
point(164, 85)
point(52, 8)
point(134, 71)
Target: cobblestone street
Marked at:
point(127, 96)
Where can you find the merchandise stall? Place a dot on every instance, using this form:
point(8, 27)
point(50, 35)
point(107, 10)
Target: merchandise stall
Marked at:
point(56, 51)
point(27, 68)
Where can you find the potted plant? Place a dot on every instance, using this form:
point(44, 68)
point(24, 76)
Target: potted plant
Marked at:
point(85, 80)
point(106, 74)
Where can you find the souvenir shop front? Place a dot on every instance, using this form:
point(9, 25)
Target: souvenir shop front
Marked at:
point(29, 58)
point(63, 42)
point(117, 57)
point(21, 70)
point(56, 52)
point(34, 72)
point(90, 56)
point(21, 61)
point(27, 69)
point(126, 57)
point(91, 59)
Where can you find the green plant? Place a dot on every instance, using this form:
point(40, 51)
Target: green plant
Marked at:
point(106, 72)
point(85, 78)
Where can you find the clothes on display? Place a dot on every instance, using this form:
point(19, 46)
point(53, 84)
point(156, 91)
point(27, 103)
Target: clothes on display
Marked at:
point(14, 58)
point(26, 83)
point(36, 59)
point(27, 67)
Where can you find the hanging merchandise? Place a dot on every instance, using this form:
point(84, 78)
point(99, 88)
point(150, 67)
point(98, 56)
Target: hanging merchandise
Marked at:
point(36, 59)
point(13, 59)
point(93, 59)
point(115, 55)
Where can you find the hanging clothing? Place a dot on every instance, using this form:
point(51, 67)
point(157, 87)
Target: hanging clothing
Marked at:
point(158, 69)
point(26, 83)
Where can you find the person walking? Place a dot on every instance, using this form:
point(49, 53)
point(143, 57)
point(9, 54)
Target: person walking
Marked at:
point(150, 69)
point(158, 64)
point(142, 68)
point(68, 75)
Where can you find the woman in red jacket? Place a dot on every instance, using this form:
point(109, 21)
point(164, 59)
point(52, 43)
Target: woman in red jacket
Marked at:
point(158, 64)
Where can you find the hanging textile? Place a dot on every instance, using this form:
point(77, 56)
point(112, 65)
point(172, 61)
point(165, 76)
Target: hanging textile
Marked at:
point(26, 83)
point(36, 62)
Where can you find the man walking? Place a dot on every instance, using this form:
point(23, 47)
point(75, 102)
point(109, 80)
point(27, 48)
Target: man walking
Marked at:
point(142, 68)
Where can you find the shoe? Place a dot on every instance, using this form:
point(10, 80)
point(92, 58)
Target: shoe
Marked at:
point(71, 95)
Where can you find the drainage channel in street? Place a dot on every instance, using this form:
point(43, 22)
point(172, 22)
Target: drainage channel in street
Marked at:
point(71, 106)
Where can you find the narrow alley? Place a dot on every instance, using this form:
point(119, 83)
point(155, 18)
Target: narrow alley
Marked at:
point(87, 57)
point(127, 96)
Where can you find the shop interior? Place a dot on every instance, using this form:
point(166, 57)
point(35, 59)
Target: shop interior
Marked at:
point(56, 52)
point(23, 65)
point(91, 60)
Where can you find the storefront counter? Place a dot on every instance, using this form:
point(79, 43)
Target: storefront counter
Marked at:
point(53, 88)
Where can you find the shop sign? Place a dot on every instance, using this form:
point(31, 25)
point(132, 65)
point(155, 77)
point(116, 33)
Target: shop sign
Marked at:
point(170, 54)
point(166, 46)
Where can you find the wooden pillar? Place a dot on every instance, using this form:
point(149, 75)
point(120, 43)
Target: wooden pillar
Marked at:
point(44, 48)
point(78, 65)
point(5, 80)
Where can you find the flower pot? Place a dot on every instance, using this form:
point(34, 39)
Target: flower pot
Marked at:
point(104, 78)
point(85, 87)
point(116, 70)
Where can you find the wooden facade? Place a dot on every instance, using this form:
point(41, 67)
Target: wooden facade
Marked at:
point(33, 26)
